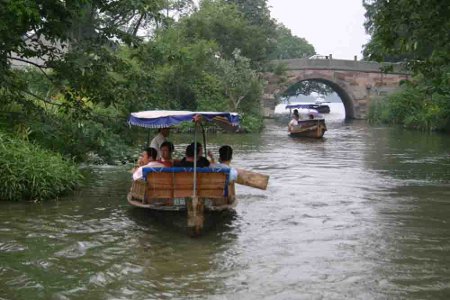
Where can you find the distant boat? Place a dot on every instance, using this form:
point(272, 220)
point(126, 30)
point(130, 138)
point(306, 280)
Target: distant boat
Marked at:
point(322, 107)
point(311, 123)
point(309, 128)
point(319, 105)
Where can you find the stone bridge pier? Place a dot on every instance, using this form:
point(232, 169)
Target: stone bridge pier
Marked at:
point(355, 82)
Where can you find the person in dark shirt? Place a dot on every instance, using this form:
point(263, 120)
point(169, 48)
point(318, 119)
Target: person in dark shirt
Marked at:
point(201, 160)
point(188, 160)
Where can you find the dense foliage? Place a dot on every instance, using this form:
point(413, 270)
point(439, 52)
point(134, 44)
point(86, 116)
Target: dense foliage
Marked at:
point(71, 72)
point(417, 33)
point(28, 172)
point(290, 46)
point(413, 108)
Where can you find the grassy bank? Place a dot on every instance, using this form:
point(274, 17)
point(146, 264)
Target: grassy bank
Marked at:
point(28, 172)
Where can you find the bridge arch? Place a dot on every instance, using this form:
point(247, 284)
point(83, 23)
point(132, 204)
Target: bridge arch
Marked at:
point(344, 92)
point(356, 82)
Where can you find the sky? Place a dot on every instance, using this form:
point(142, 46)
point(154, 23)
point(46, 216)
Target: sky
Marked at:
point(332, 26)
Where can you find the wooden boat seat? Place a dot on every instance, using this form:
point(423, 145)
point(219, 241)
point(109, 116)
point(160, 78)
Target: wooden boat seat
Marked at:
point(169, 183)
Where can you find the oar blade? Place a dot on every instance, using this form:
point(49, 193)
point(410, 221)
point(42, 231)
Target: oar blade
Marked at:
point(252, 179)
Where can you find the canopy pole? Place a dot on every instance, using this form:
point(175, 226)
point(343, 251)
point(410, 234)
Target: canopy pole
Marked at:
point(195, 206)
point(148, 139)
point(195, 161)
point(204, 140)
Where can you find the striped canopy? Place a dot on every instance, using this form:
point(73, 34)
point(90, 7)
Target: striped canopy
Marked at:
point(169, 118)
point(302, 105)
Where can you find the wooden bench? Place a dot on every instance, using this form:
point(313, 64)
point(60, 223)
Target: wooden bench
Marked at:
point(164, 185)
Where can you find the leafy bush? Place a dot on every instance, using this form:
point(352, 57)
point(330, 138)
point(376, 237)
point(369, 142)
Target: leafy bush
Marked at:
point(252, 123)
point(28, 172)
point(412, 107)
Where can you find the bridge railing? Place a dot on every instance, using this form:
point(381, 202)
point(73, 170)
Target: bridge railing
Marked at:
point(340, 64)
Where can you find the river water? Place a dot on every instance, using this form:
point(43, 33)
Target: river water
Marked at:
point(362, 213)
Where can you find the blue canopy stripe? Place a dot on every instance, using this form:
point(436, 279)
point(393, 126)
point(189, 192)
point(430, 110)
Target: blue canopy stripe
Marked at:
point(147, 170)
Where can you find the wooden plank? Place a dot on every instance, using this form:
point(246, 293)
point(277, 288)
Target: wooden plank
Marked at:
point(210, 193)
point(211, 181)
point(180, 185)
point(252, 179)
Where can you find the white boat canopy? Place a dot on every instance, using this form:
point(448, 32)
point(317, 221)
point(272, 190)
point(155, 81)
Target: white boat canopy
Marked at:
point(169, 118)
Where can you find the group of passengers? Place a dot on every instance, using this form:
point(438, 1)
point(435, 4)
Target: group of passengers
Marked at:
point(159, 155)
point(296, 117)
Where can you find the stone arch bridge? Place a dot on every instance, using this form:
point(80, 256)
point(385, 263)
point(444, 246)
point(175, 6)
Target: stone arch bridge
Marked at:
point(356, 82)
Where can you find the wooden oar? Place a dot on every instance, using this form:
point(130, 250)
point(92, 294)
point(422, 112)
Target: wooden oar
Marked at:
point(252, 179)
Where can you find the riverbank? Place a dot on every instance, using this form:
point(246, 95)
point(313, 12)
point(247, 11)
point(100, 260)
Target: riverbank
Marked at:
point(28, 172)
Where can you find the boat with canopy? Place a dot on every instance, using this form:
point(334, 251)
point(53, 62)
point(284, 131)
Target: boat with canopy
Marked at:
point(320, 105)
point(310, 124)
point(194, 190)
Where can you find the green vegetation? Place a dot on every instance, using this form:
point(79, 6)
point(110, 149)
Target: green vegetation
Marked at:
point(290, 46)
point(416, 33)
point(28, 172)
point(413, 108)
point(91, 63)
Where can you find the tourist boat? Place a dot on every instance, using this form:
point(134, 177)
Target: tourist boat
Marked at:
point(319, 105)
point(311, 123)
point(194, 190)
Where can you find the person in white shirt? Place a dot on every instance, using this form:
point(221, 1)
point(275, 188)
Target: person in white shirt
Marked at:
point(159, 139)
point(148, 159)
point(225, 157)
point(294, 121)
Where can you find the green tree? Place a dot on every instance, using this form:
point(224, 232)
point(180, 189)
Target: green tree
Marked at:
point(239, 80)
point(228, 26)
point(290, 46)
point(307, 87)
point(417, 31)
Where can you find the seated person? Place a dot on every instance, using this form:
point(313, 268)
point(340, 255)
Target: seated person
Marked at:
point(166, 151)
point(148, 159)
point(201, 160)
point(294, 121)
point(225, 157)
point(188, 160)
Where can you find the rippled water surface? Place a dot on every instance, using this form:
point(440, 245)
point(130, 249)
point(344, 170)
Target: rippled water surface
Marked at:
point(362, 213)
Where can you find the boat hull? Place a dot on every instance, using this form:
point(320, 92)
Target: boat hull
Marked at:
point(179, 204)
point(309, 128)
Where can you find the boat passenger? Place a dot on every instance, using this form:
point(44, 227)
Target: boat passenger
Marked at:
point(159, 139)
point(225, 157)
point(294, 121)
point(166, 151)
point(201, 159)
point(148, 159)
point(188, 160)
